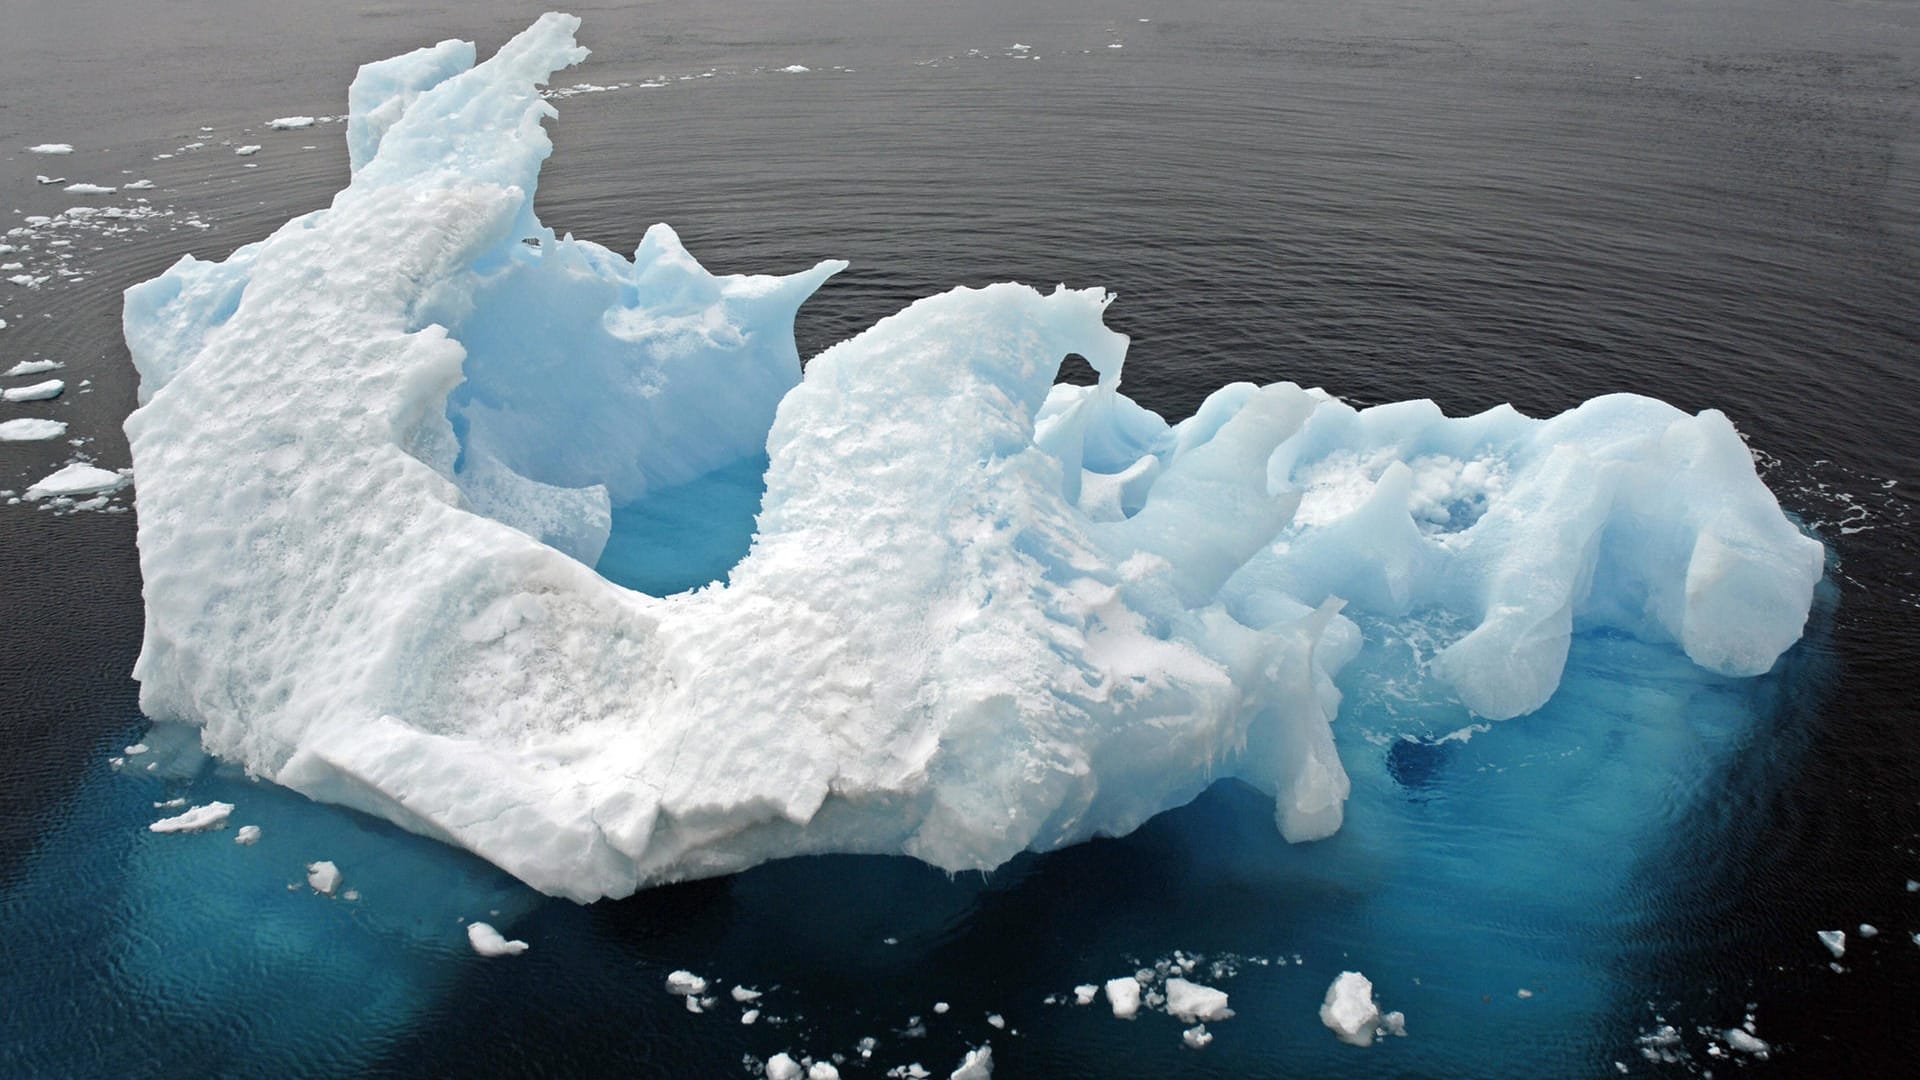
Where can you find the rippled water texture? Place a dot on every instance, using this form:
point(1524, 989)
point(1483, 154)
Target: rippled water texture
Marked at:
point(1716, 203)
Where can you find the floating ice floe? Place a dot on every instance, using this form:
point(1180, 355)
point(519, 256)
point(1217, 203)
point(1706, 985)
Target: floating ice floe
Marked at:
point(77, 479)
point(1746, 1042)
point(41, 391)
point(34, 367)
point(977, 1065)
point(199, 819)
point(89, 189)
point(1350, 1012)
point(49, 180)
point(51, 148)
point(796, 69)
point(247, 150)
point(685, 984)
point(1192, 1002)
point(1835, 941)
point(247, 835)
point(31, 429)
point(291, 123)
point(980, 613)
point(1123, 994)
point(490, 942)
point(323, 876)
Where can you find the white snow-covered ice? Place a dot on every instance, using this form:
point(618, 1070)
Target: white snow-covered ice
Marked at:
point(290, 123)
point(1123, 995)
point(51, 148)
point(34, 367)
point(490, 942)
point(31, 429)
point(381, 451)
point(40, 391)
point(323, 876)
point(1193, 1002)
point(198, 819)
point(77, 478)
point(1351, 1013)
point(247, 835)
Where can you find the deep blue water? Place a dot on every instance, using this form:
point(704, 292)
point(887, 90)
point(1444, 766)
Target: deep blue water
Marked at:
point(1715, 203)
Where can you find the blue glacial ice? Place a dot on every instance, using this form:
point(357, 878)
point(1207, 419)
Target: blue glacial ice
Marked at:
point(557, 557)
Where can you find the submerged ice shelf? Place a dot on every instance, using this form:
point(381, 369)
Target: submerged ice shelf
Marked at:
point(955, 611)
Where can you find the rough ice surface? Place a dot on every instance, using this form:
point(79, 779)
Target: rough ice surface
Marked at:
point(1835, 941)
point(1192, 1002)
point(1123, 994)
point(290, 123)
point(34, 367)
point(490, 942)
point(247, 835)
point(51, 148)
point(977, 1065)
point(974, 613)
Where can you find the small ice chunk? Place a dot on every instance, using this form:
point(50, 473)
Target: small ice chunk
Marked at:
point(78, 478)
point(796, 69)
point(170, 804)
point(490, 942)
point(31, 429)
point(1192, 1002)
point(199, 819)
point(977, 1065)
point(247, 836)
point(290, 123)
point(1083, 994)
point(51, 148)
point(136, 749)
point(1913, 886)
point(38, 178)
point(750, 1016)
point(1196, 1037)
point(1835, 941)
point(1523, 993)
point(1123, 994)
point(247, 150)
point(137, 185)
point(40, 391)
point(89, 189)
point(941, 1007)
point(1867, 930)
point(823, 1070)
point(694, 1006)
point(1349, 1010)
point(915, 1071)
point(782, 1067)
point(742, 994)
point(1746, 1043)
point(350, 894)
point(34, 367)
point(685, 983)
point(997, 1020)
point(323, 876)
point(1394, 1023)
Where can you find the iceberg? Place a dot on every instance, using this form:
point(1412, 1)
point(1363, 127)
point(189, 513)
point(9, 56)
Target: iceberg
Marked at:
point(403, 462)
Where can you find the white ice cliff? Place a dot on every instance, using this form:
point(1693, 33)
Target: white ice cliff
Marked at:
point(380, 452)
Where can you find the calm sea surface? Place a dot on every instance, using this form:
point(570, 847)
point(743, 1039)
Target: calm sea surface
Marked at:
point(1715, 202)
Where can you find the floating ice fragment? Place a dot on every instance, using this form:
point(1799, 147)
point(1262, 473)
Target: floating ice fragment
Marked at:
point(1868, 930)
point(1196, 1037)
point(997, 1020)
point(51, 148)
point(782, 1067)
point(41, 391)
point(1745, 1042)
point(739, 993)
point(1192, 1002)
point(31, 429)
point(940, 1008)
point(823, 1070)
point(247, 150)
point(977, 1065)
point(199, 819)
point(247, 835)
point(915, 1071)
point(137, 185)
point(1083, 994)
point(1124, 995)
point(89, 189)
point(290, 123)
point(1523, 993)
point(43, 179)
point(135, 750)
point(1835, 941)
point(77, 478)
point(685, 983)
point(796, 69)
point(1350, 1012)
point(489, 942)
point(323, 876)
point(750, 1016)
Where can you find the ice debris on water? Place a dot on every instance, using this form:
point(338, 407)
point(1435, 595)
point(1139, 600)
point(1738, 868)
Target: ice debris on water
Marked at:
point(323, 876)
point(40, 391)
point(290, 123)
point(51, 148)
point(1123, 994)
point(31, 429)
point(33, 367)
point(686, 984)
point(77, 478)
point(1835, 941)
point(490, 942)
point(1351, 1013)
point(1192, 1002)
point(1098, 614)
point(247, 835)
point(977, 1065)
point(199, 819)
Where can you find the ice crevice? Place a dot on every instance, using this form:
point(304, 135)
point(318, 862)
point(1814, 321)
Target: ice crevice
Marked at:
point(921, 600)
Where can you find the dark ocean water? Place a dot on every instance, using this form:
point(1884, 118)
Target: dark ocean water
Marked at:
point(1716, 203)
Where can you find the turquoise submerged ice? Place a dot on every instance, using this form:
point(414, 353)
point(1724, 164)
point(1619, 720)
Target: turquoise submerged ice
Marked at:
point(381, 453)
